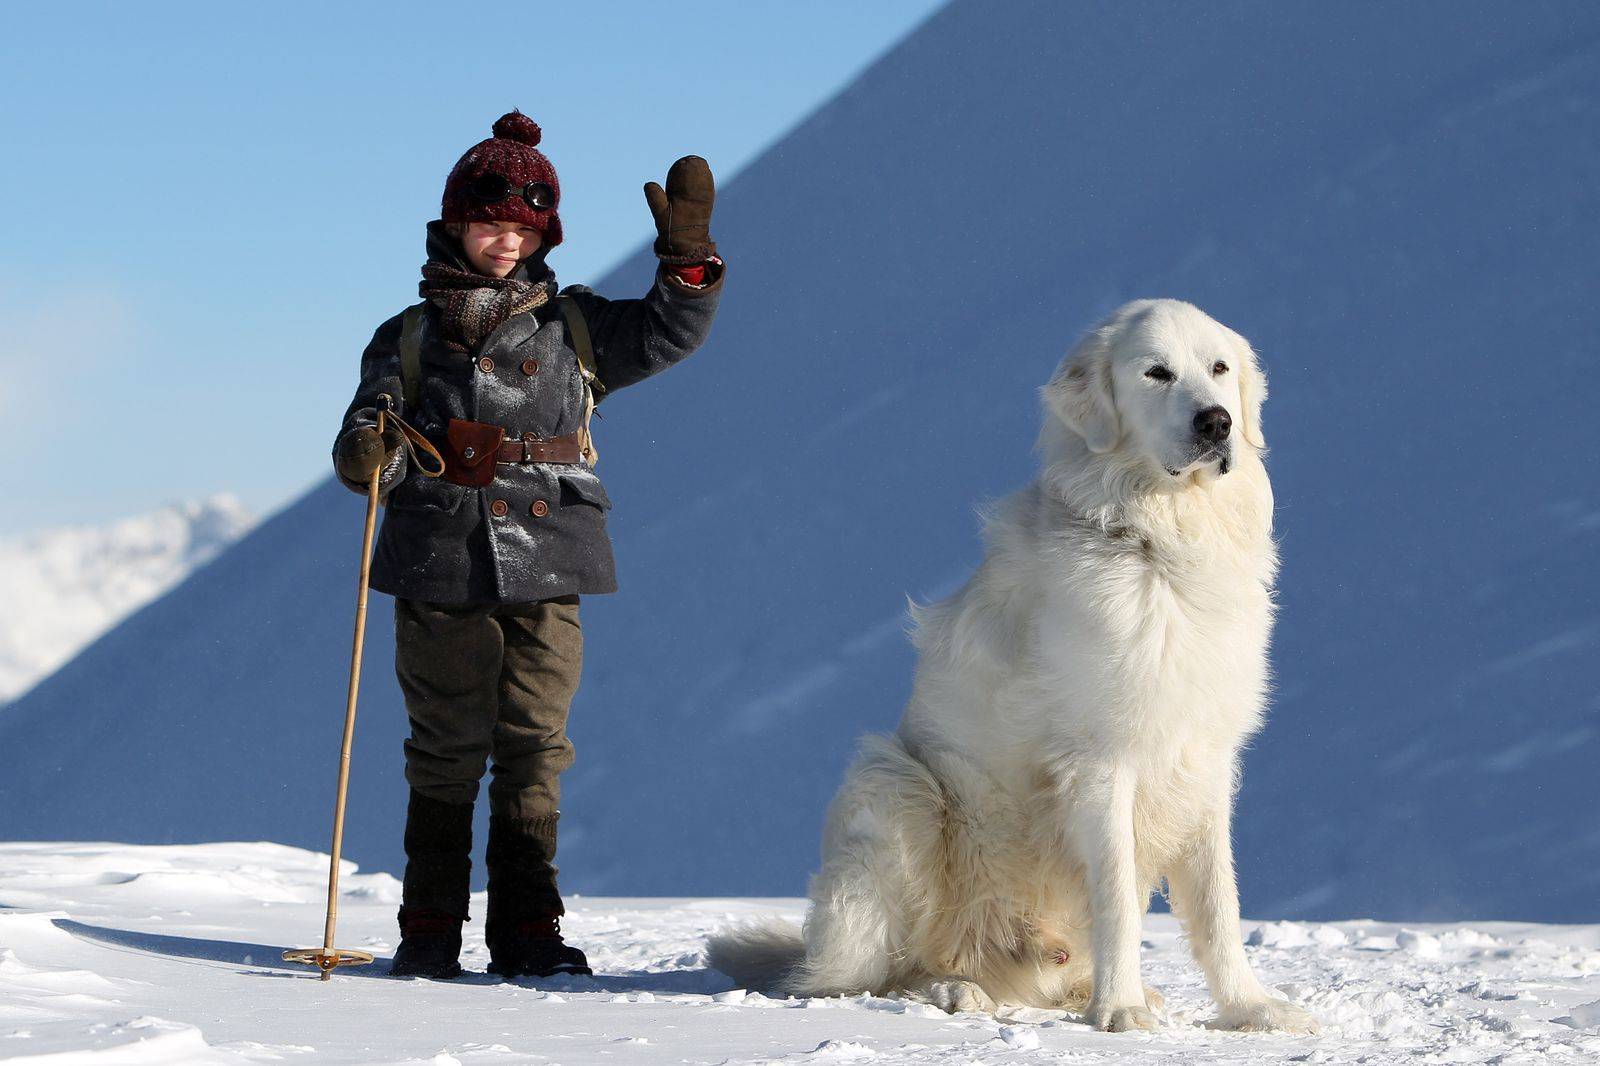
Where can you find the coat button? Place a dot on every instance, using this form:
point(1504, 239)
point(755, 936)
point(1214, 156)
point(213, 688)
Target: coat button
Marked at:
point(486, 365)
point(500, 508)
point(539, 509)
point(530, 367)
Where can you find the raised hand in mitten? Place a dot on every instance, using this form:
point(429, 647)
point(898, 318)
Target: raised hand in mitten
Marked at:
point(362, 451)
point(683, 213)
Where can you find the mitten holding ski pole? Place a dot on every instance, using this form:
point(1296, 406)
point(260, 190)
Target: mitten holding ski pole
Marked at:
point(362, 451)
point(683, 213)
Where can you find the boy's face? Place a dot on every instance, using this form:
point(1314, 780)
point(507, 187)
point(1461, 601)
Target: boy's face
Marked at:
point(495, 248)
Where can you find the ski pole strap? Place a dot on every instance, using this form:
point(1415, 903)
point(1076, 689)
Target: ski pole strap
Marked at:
point(578, 333)
point(412, 438)
point(411, 355)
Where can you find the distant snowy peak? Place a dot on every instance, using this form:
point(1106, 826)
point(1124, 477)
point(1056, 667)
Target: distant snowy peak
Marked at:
point(61, 588)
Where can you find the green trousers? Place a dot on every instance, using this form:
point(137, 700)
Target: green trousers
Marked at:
point(489, 684)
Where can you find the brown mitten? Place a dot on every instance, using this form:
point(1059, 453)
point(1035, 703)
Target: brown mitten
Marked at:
point(361, 452)
point(683, 213)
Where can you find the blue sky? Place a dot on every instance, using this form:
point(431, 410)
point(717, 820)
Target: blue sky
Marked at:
point(210, 207)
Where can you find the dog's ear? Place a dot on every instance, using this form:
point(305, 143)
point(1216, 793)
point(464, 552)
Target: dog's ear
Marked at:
point(1080, 394)
point(1252, 394)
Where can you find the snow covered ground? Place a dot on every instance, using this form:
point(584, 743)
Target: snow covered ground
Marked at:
point(140, 954)
point(61, 588)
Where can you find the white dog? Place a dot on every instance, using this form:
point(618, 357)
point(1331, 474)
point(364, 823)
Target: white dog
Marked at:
point(1074, 732)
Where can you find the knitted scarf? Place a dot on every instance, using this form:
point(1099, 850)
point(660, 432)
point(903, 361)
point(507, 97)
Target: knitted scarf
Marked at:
point(474, 304)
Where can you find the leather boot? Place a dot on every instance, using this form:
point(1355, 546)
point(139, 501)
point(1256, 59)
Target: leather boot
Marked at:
point(430, 945)
point(532, 947)
point(523, 929)
point(435, 890)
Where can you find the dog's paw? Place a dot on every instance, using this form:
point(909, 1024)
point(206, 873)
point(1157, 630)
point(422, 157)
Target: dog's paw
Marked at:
point(1266, 1016)
point(954, 995)
point(1121, 1019)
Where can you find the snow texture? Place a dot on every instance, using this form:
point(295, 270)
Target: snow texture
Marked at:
point(121, 954)
point(62, 588)
point(1396, 203)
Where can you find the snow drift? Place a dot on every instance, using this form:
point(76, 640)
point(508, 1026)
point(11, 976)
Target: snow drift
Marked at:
point(1396, 204)
point(118, 954)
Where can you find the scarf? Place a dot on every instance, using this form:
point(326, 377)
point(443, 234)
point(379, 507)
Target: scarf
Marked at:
point(474, 304)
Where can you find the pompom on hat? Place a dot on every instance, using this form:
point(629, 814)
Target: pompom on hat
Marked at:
point(512, 154)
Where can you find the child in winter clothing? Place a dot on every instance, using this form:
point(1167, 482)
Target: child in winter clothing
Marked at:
point(487, 563)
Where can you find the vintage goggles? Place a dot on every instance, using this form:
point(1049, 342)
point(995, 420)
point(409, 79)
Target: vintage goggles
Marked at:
point(492, 188)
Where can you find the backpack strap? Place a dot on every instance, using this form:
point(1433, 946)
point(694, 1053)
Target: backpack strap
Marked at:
point(411, 356)
point(578, 333)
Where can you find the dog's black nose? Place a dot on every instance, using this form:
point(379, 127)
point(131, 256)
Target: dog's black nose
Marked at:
point(1212, 424)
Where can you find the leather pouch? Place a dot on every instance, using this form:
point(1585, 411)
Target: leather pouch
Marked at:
point(470, 452)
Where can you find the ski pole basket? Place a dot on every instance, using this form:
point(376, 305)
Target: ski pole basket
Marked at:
point(327, 959)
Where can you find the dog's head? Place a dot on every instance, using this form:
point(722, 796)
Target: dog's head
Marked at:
point(1162, 381)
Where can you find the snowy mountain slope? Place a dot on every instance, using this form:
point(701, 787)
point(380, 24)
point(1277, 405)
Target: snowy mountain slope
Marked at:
point(119, 954)
point(61, 588)
point(1395, 203)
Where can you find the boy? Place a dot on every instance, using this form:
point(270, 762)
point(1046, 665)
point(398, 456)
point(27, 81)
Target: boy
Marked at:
point(487, 562)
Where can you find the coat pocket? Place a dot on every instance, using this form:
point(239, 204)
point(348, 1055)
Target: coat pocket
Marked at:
point(583, 489)
point(431, 494)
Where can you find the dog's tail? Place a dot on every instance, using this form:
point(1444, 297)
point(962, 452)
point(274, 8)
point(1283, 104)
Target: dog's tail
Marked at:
point(761, 956)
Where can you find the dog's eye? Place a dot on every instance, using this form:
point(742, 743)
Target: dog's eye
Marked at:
point(1158, 373)
point(1219, 367)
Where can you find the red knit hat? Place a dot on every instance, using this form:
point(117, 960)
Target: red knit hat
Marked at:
point(511, 154)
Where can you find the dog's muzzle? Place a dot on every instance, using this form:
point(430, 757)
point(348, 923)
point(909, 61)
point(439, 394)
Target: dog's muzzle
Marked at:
point(1213, 427)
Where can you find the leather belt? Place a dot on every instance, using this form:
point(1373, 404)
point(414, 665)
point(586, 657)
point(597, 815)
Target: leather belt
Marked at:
point(567, 449)
point(472, 450)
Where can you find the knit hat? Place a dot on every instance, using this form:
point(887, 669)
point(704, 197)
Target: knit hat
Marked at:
point(511, 154)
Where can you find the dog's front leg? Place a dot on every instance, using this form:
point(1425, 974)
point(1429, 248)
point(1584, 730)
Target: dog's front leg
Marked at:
point(1205, 895)
point(1101, 822)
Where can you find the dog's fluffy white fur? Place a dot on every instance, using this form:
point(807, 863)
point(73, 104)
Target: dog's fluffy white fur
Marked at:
point(1074, 732)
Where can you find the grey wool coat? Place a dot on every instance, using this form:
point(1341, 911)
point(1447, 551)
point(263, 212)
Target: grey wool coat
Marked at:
point(539, 530)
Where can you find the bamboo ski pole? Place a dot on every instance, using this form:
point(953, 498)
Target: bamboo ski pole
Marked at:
point(417, 446)
point(330, 957)
point(350, 709)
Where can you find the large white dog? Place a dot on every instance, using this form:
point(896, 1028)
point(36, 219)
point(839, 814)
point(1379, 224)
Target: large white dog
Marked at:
point(1074, 732)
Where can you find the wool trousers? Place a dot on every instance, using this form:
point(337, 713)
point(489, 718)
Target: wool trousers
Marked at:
point(489, 684)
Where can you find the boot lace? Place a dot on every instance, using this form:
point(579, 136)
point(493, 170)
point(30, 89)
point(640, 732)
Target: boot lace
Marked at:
point(541, 927)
